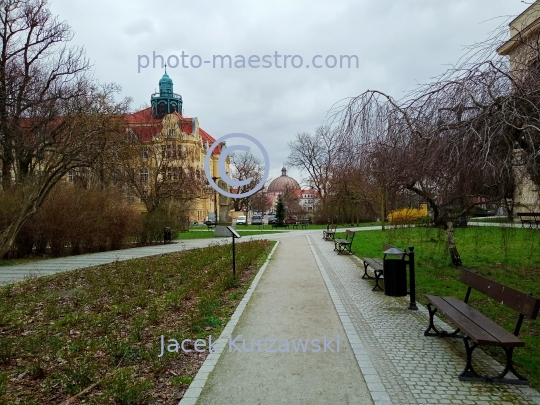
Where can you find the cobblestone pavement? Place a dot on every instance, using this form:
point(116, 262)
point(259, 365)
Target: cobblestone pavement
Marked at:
point(401, 365)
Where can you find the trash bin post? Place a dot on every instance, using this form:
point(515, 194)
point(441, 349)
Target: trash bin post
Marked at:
point(412, 280)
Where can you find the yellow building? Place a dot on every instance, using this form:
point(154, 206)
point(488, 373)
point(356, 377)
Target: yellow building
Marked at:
point(172, 145)
point(523, 48)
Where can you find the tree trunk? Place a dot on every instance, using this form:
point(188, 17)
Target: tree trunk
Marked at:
point(451, 244)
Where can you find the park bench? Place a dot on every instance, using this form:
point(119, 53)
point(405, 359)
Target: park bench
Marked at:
point(211, 225)
point(479, 329)
point(342, 245)
point(377, 265)
point(330, 232)
point(301, 224)
point(276, 225)
point(529, 218)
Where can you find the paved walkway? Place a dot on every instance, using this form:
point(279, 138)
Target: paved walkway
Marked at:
point(393, 362)
point(291, 302)
point(307, 291)
point(11, 274)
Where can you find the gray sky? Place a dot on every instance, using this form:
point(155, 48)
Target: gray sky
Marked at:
point(398, 44)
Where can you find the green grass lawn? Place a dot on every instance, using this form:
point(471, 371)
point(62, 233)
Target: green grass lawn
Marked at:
point(94, 333)
point(502, 220)
point(206, 234)
point(310, 226)
point(508, 255)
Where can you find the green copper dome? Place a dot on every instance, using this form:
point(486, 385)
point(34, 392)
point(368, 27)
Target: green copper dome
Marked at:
point(166, 101)
point(165, 79)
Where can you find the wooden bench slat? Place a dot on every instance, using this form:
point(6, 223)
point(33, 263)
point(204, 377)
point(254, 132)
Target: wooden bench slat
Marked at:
point(498, 332)
point(523, 303)
point(461, 321)
point(374, 262)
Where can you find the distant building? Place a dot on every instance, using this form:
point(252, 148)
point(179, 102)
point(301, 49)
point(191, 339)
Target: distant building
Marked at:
point(307, 198)
point(523, 50)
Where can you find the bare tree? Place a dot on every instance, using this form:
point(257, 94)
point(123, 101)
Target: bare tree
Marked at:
point(260, 202)
point(246, 166)
point(158, 170)
point(53, 116)
point(316, 155)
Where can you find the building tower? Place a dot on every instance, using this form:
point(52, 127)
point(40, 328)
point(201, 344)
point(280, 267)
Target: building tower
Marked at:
point(166, 101)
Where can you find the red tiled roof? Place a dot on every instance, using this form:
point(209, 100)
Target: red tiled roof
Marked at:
point(207, 137)
point(146, 126)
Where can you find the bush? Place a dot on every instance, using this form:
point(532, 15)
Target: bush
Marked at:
point(170, 214)
point(405, 216)
point(76, 220)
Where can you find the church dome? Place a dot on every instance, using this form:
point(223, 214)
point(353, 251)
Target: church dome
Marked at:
point(282, 183)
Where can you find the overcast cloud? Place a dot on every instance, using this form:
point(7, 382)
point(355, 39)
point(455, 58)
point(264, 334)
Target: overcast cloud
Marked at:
point(398, 44)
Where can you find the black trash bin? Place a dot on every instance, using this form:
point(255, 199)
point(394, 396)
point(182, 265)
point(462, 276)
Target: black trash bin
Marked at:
point(395, 277)
point(167, 235)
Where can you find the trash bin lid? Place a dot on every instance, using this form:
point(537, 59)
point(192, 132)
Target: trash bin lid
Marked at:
point(394, 251)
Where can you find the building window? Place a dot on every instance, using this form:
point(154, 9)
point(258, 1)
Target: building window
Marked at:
point(144, 175)
point(144, 152)
point(71, 176)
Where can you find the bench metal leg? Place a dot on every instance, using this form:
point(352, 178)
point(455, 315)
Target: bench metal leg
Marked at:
point(378, 275)
point(366, 275)
point(437, 332)
point(344, 247)
point(431, 326)
point(509, 368)
point(468, 373)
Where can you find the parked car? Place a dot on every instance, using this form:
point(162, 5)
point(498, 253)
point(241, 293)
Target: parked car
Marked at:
point(272, 220)
point(257, 220)
point(291, 220)
point(241, 220)
point(211, 219)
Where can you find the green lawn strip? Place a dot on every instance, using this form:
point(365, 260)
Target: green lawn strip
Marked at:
point(510, 256)
point(210, 234)
point(310, 226)
point(496, 220)
point(97, 330)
